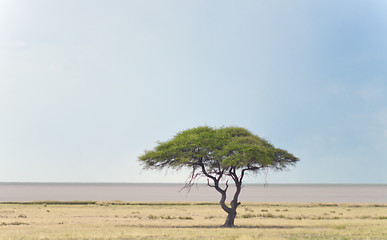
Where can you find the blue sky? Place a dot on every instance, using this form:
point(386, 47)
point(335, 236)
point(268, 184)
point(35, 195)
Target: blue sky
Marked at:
point(86, 86)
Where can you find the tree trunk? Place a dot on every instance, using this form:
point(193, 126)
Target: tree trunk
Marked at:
point(232, 211)
point(230, 219)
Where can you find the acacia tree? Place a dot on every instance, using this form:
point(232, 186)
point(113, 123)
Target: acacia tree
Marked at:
point(219, 155)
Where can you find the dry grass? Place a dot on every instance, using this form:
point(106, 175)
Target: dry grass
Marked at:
point(191, 221)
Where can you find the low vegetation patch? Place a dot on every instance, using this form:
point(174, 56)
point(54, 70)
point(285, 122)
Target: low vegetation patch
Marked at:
point(51, 203)
point(13, 223)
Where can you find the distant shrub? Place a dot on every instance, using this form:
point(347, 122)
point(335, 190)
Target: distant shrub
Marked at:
point(248, 215)
point(378, 205)
point(268, 215)
point(327, 205)
point(249, 210)
point(45, 203)
point(152, 217)
point(340, 227)
point(354, 206)
point(205, 203)
point(13, 223)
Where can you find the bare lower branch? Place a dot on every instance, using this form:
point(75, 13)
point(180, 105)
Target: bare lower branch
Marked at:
point(191, 180)
point(208, 183)
point(226, 186)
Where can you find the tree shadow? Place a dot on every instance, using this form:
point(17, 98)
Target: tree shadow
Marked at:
point(218, 226)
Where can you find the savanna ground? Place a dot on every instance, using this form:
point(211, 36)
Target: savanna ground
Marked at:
point(118, 220)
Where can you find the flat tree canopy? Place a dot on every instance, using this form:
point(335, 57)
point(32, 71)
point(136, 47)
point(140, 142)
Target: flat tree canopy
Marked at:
point(221, 154)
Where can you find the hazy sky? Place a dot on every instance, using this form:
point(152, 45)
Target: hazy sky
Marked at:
point(86, 85)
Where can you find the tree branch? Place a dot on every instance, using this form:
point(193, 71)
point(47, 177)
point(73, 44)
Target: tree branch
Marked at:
point(208, 183)
point(226, 186)
point(205, 172)
point(191, 180)
point(233, 175)
point(216, 186)
point(249, 168)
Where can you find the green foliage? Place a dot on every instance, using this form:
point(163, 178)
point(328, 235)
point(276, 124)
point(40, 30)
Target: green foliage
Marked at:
point(223, 148)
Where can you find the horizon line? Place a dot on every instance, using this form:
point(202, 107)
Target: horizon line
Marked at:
point(170, 183)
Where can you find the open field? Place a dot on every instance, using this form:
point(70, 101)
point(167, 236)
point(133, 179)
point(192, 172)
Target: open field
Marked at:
point(118, 220)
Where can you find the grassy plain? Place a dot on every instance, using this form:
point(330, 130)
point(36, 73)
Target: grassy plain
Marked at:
point(117, 220)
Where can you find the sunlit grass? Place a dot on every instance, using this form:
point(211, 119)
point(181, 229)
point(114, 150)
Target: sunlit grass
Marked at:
point(116, 220)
